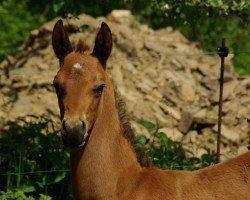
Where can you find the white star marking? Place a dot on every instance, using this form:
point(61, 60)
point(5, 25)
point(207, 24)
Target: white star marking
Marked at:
point(77, 66)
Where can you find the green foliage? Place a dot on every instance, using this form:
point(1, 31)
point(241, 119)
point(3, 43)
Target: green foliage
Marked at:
point(10, 195)
point(19, 17)
point(32, 160)
point(20, 195)
point(16, 21)
point(169, 154)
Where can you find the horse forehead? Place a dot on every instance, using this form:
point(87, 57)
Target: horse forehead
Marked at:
point(80, 60)
point(80, 67)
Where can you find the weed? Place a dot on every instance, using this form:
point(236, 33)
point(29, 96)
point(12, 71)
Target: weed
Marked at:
point(32, 159)
point(169, 154)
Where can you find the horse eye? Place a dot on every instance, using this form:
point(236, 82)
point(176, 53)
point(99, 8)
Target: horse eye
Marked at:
point(98, 90)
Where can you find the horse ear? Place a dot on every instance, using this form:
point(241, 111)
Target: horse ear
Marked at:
point(60, 41)
point(103, 44)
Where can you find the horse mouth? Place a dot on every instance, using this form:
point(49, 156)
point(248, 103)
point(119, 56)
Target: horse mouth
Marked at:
point(77, 147)
point(76, 143)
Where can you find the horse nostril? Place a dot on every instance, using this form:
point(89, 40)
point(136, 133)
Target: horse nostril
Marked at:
point(83, 125)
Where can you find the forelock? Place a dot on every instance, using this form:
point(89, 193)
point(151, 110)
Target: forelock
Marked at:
point(81, 47)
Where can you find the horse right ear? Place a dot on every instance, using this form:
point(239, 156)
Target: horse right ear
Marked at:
point(60, 41)
point(103, 44)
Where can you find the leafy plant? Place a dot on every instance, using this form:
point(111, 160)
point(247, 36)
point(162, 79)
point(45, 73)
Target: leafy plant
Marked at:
point(16, 21)
point(169, 154)
point(32, 159)
point(20, 195)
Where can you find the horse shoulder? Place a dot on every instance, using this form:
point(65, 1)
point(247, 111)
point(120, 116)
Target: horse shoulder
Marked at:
point(154, 183)
point(228, 180)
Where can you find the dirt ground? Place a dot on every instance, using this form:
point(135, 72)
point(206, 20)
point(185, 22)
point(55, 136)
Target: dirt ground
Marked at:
point(162, 76)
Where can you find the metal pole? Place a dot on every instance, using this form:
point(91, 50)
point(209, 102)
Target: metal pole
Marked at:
point(222, 52)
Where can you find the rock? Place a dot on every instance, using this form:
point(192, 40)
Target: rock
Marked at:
point(155, 95)
point(144, 88)
point(209, 84)
point(33, 35)
point(242, 150)
point(118, 78)
point(228, 90)
point(245, 80)
point(151, 72)
point(200, 114)
point(201, 152)
point(10, 59)
point(186, 122)
point(228, 77)
point(159, 73)
point(160, 119)
point(203, 117)
point(204, 70)
point(5, 90)
point(245, 100)
point(177, 64)
point(22, 105)
point(190, 137)
point(120, 16)
point(43, 66)
point(187, 92)
point(130, 96)
point(129, 66)
point(170, 111)
point(151, 44)
point(172, 133)
point(227, 133)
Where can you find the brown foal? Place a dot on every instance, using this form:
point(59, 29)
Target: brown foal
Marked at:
point(103, 161)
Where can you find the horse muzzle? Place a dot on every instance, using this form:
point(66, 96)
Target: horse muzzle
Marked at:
point(74, 133)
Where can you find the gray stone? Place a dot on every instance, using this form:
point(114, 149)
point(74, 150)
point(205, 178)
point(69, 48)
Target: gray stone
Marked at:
point(186, 122)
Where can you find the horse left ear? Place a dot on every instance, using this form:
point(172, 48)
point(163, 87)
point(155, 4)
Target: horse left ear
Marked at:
point(60, 41)
point(103, 44)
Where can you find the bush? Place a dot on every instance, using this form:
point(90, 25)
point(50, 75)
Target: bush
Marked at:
point(169, 154)
point(33, 161)
point(20, 195)
point(19, 17)
point(16, 21)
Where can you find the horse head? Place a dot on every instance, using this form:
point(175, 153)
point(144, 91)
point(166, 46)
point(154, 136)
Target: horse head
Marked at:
point(80, 82)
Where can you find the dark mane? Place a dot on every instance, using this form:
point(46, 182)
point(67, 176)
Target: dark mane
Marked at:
point(128, 131)
point(81, 47)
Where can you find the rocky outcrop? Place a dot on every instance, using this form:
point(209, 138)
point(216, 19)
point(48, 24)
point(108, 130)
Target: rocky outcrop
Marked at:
point(162, 76)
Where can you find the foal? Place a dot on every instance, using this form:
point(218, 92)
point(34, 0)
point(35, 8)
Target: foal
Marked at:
point(103, 162)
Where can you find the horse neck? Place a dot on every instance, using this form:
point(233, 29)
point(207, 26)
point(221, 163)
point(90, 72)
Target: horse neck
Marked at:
point(108, 160)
